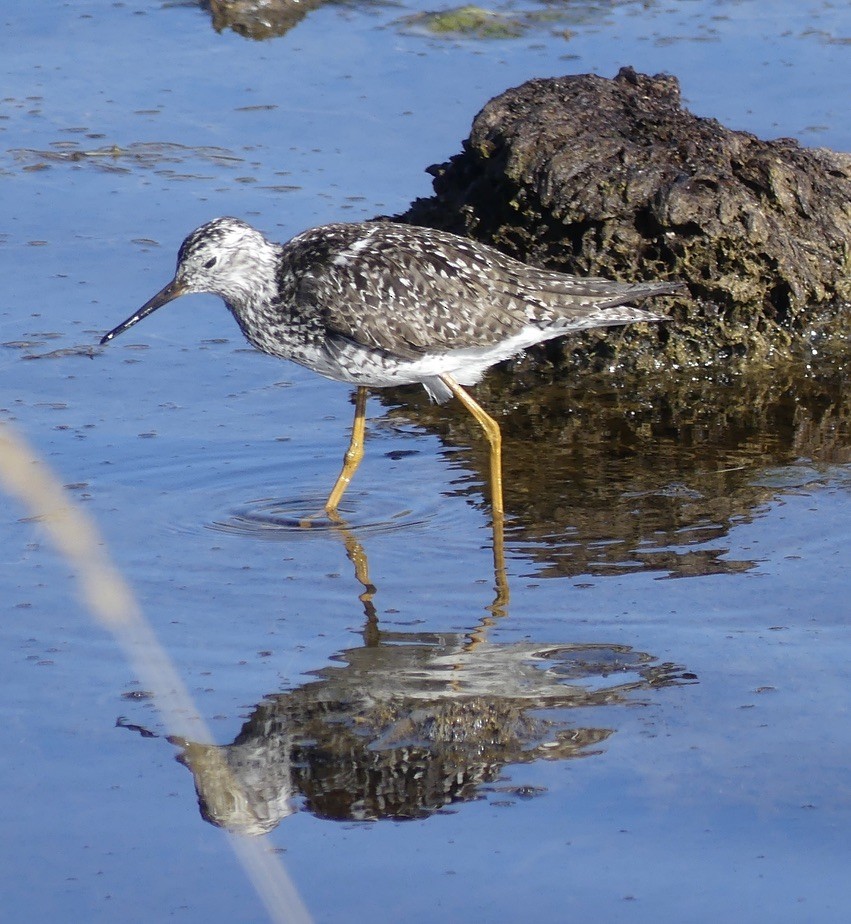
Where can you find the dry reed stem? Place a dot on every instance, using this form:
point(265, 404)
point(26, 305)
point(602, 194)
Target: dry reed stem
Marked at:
point(110, 600)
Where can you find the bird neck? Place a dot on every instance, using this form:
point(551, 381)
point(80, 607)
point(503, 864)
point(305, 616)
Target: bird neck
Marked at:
point(255, 298)
point(252, 282)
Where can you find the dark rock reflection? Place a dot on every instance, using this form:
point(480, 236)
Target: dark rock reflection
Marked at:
point(258, 19)
point(605, 474)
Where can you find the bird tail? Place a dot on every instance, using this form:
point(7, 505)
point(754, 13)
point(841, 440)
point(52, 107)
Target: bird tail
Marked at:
point(601, 303)
point(641, 290)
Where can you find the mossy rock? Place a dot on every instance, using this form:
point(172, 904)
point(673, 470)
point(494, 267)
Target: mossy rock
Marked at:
point(614, 177)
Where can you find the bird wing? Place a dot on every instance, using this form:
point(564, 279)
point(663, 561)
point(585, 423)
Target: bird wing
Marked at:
point(410, 290)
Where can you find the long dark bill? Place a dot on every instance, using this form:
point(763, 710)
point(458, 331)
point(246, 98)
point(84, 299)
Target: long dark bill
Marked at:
point(172, 291)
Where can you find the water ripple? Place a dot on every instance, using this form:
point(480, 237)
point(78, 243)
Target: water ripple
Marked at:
point(274, 518)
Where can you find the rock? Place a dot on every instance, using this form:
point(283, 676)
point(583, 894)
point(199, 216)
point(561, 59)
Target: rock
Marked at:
point(616, 178)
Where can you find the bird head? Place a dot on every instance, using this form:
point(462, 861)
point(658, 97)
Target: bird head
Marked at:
point(225, 257)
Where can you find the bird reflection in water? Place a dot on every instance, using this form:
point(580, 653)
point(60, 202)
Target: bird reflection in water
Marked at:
point(357, 556)
point(409, 723)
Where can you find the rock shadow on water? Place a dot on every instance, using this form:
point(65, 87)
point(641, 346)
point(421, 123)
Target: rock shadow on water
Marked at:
point(413, 724)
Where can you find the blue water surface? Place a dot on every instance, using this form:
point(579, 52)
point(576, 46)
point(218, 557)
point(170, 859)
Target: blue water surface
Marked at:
point(724, 795)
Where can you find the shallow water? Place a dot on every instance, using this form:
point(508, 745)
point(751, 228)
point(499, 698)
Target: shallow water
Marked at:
point(653, 727)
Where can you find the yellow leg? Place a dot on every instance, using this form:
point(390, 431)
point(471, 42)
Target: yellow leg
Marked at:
point(494, 437)
point(354, 453)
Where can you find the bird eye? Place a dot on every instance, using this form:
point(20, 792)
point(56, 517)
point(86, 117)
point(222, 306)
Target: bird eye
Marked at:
point(210, 263)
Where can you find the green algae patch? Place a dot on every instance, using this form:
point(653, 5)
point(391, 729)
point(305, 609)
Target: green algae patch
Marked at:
point(468, 22)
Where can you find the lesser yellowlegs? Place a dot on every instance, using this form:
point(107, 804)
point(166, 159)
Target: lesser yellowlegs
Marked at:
point(377, 304)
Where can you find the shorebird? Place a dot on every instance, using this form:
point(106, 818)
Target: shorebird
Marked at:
point(378, 304)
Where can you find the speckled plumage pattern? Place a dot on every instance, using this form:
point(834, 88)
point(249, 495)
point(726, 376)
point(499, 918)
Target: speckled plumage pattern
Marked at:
point(379, 304)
